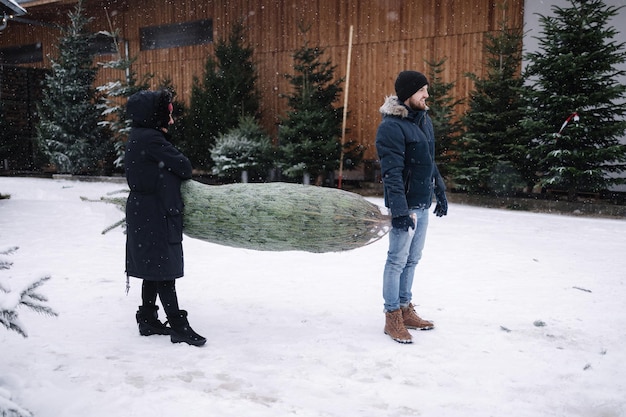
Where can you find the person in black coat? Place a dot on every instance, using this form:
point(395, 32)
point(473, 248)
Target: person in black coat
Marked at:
point(154, 214)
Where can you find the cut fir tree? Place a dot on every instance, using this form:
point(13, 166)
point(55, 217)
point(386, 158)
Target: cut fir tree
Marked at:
point(278, 216)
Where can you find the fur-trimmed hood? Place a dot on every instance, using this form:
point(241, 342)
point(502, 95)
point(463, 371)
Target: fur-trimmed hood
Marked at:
point(393, 107)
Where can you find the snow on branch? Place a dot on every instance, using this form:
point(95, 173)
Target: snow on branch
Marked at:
point(8, 408)
point(27, 295)
point(4, 263)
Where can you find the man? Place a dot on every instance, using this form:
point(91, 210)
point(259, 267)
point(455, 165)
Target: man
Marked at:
point(405, 143)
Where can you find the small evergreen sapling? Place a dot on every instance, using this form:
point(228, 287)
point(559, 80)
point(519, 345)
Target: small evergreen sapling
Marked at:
point(9, 301)
point(243, 151)
point(25, 295)
point(309, 134)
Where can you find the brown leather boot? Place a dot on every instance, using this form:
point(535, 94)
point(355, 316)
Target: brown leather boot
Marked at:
point(394, 327)
point(413, 321)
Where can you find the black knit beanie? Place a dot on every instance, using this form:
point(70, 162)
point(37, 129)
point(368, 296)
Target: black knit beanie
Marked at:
point(408, 82)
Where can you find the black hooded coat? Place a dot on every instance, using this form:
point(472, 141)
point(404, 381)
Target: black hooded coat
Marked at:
point(154, 209)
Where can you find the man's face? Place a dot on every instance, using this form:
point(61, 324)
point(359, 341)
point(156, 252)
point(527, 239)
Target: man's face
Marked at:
point(418, 100)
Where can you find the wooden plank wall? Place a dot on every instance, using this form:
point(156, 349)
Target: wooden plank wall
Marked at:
point(389, 36)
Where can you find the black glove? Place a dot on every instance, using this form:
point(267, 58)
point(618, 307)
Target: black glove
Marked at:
point(441, 209)
point(403, 223)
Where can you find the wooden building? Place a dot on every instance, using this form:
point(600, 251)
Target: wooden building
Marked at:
point(172, 39)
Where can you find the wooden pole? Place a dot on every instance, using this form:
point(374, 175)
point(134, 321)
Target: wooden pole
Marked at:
point(345, 107)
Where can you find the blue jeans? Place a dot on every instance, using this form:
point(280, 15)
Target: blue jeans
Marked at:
point(405, 251)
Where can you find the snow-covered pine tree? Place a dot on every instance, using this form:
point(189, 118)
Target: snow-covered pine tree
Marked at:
point(226, 92)
point(4, 261)
point(309, 134)
point(10, 300)
point(575, 72)
point(442, 112)
point(244, 151)
point(115, 94)
point(26, 295)
point(8, 408)
point(491, 154)
point(68, 131)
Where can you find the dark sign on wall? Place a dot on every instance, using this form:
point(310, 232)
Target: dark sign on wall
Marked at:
point(177, 34)
point(23, 54)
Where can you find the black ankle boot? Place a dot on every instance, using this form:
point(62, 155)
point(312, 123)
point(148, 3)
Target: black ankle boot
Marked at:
point(182, 332)
point(148, 321)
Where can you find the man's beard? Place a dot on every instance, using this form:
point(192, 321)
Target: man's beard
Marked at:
point(418, 106)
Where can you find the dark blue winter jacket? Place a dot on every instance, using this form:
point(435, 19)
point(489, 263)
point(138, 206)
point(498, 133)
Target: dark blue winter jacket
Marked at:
point(405, 142)
point(154, 209)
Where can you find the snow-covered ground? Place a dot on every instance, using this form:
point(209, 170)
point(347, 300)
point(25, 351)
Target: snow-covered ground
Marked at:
point(530, 312)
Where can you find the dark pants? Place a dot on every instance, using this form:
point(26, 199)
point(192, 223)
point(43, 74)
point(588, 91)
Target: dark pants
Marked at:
point(166, 290)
